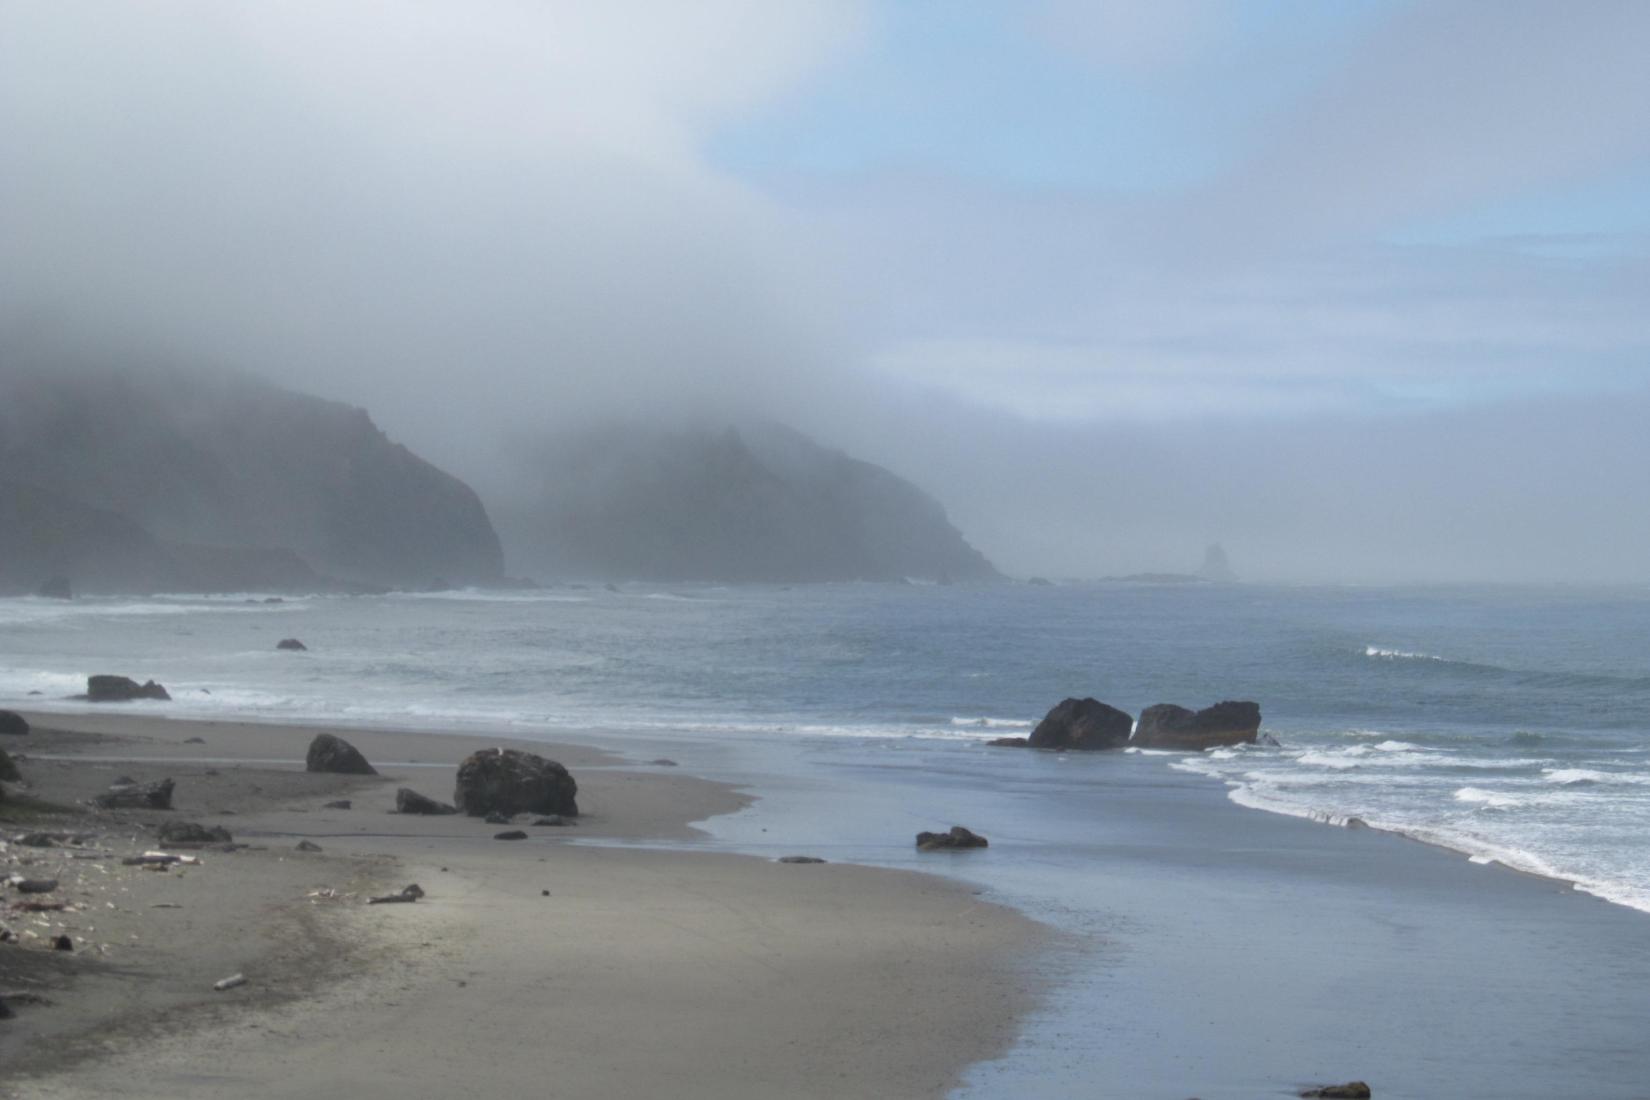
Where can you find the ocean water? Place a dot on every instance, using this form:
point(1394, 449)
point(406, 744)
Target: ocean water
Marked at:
point(1511, 724)
point(1230, 949)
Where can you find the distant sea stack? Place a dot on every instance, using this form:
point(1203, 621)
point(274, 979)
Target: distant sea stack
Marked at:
point(750, 504)
point(1215, 566)
point(171, 479)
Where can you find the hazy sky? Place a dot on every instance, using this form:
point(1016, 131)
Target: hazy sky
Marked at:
point(1359, 289)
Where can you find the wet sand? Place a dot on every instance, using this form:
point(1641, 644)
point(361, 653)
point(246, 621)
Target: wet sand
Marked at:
point(640, 972)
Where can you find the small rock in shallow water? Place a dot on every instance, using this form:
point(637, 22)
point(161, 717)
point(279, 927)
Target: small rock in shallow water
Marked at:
point(292, 644)
point(957, 838)
point(800, 859)
point(308, 846)
point(510, 834)
point(1352, 1090)
point(62, 943)
point(341, 804)
point(194, 740)
point(663, 763)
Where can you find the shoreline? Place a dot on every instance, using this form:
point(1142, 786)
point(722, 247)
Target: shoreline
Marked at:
point(609, 970)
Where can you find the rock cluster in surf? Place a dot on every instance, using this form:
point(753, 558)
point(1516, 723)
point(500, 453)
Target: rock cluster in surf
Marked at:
point(1088, 725)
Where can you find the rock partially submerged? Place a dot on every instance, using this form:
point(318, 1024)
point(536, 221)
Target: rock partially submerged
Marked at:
point(958, 838)
point(122, 689)
point(1166, 726)
point(510, 834)
point(292, 644)
point(1352, 1090)
point(509, 781)
point(1082, 724)
point(801, 859)
point(13, 724)
point(137, 796)
point(1008, 742)
point(409, 801)
point(330, 753)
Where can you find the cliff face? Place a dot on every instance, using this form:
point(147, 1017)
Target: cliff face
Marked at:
point(208, 467)
point(762, 504)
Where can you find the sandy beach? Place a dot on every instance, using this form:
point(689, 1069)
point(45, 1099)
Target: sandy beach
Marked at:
point(542, 964)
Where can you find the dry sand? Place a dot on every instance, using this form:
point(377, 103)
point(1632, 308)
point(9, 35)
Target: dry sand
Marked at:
point(641, 972)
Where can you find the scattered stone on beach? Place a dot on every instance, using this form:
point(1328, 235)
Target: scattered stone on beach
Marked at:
point(511, 781)
point(554, 821)
point(331, 753)
point(32, 906)
point(8, 769)
point(340, 804)
point(308, 846)
point(159, 860)
point(192, 832)
point(137, 796)
point(1352, 1090)
point(662, 762)
point(409, 893)
point(958, 838)
point(1082, 724)
point(5, 1013)
point(62, 943)
point(194, 740)
point(1009, 742)
point(510, 834)
point(496, 818)
point(409, 801)
point(122, 689)
point(1167, 726)
point(800, 859)
point(292, 644)
point(33, 885)
point(56, 588)
point(229, 983)
point(13, 724)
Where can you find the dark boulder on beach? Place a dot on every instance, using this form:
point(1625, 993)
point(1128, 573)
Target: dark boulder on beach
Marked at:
point(956, 839)
point(292, 644)
point(12, 723)
point(192, 832)
point(1082, 724)
point(1352, 1090)
point(1166, 726)
point(137, 796)
point(409, 801)
point(122, 689)
point(8, 769)
point(330, 753)
point(509, 781)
